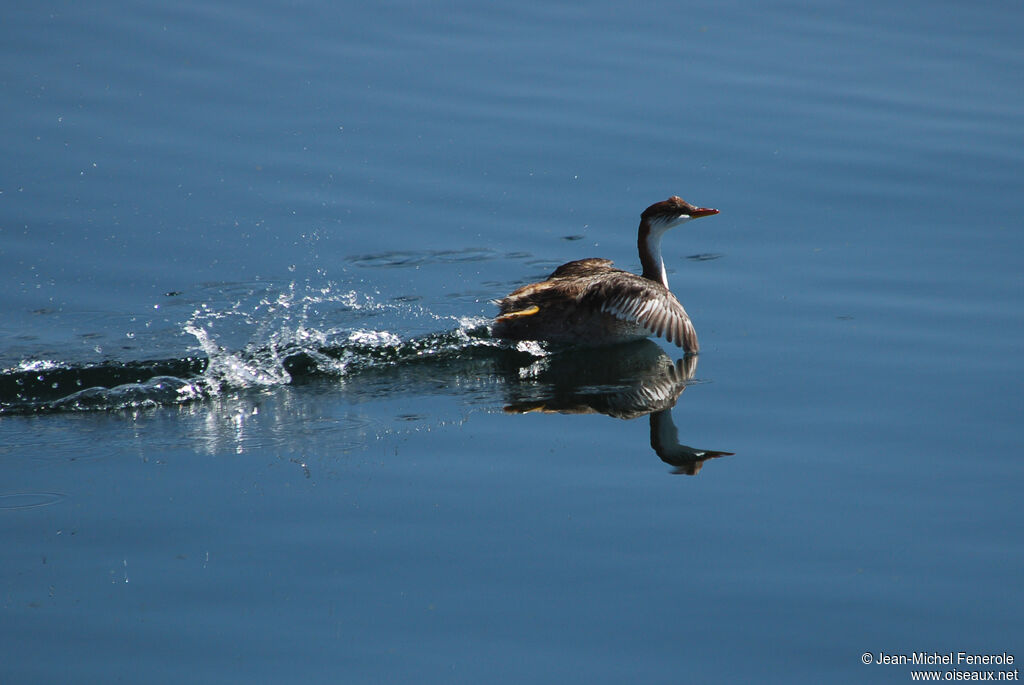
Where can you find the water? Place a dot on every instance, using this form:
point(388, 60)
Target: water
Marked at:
point(253, 427)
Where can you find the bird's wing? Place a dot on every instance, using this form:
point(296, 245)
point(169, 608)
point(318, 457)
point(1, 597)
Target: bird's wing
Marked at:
point(647, 304)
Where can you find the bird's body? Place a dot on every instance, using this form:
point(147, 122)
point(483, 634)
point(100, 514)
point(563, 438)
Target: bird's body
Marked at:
point(589, 302)
point(592, 303)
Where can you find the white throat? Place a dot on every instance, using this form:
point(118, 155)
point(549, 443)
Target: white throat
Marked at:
point(649, 246)
point(653, 261)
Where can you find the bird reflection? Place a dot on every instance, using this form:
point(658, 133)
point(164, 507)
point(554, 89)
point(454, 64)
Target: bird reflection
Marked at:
point(624, 382)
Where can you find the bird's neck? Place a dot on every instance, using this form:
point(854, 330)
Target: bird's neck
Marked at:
point(649, 245)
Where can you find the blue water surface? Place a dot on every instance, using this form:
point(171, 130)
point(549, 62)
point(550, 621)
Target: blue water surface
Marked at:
point(252, 426)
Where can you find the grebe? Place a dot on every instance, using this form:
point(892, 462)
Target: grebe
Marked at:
point(587, 302)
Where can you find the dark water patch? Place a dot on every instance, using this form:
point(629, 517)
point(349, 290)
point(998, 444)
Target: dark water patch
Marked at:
point(154, 392)
point(40, 385)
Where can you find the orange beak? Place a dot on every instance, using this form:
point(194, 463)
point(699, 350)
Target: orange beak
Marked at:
point(702, 211)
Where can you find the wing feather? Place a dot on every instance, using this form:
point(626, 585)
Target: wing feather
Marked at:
point(647, 304)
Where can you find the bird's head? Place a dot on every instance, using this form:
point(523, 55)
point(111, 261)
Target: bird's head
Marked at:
point(672, 212)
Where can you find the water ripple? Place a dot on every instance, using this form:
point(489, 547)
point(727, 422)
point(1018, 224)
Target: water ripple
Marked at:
point(19, 501)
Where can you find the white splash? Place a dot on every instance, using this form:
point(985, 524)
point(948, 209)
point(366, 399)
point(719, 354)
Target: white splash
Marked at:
point(34, 365)
point(532, 347)
point(230, 368)
point(375, 338)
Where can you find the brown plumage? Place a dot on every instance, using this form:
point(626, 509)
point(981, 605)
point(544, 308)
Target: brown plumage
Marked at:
point(589, 302)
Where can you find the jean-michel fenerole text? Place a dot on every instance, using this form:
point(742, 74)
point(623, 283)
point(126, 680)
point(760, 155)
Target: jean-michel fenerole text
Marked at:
point(951, 658)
